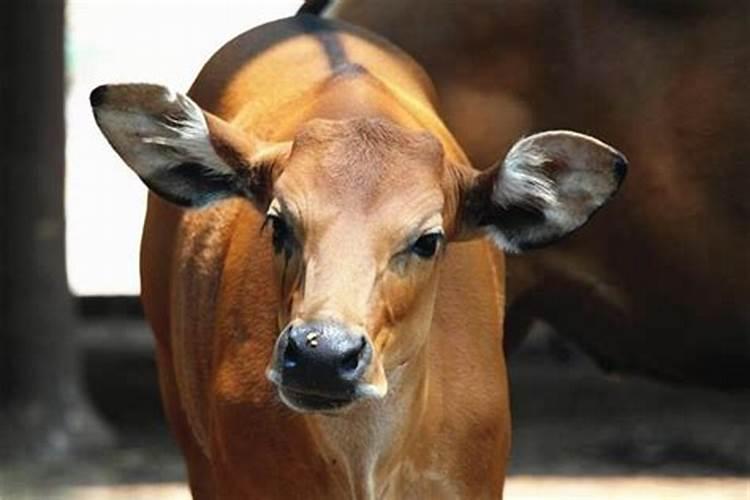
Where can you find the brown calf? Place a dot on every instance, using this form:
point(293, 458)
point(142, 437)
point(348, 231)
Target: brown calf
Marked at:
point(327, 313)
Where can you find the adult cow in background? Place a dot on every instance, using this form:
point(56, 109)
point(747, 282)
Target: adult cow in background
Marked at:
point(660, 284)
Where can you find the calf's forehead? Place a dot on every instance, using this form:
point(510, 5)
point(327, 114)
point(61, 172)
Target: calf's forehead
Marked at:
point(363, 166)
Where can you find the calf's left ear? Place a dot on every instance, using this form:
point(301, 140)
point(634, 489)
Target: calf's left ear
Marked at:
point(548, 185)
point(182, 153)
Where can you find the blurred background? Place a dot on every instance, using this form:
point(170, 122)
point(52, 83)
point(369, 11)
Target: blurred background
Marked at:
point(79, 407)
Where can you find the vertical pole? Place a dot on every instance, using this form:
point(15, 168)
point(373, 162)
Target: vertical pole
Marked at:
point(42, 400)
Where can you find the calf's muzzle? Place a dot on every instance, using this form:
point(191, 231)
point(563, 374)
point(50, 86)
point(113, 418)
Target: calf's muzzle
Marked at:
point(320, 365)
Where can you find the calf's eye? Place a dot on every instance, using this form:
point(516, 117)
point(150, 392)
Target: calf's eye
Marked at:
point(427, 244)
point(282, 237)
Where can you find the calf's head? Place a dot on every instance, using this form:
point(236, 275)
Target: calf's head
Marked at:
point(359, 213)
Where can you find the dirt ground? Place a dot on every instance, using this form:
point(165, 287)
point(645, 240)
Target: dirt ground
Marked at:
point(577, 434)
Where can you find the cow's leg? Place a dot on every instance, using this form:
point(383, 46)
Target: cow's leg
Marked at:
point(584, 313)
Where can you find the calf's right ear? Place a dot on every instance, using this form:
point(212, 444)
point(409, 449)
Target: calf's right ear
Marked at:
point(548, 185)
point(182, 153)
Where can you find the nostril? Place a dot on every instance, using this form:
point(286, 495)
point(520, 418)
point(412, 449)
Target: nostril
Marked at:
point(353, 359)
point(291, 354)
point(350, 362)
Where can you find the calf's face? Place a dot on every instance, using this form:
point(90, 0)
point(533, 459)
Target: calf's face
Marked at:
point(359, 212)
point(358, 225)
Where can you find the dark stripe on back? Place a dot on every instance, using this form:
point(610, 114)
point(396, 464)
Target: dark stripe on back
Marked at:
point(313, 7)
point(329, 38)
point(218, 70)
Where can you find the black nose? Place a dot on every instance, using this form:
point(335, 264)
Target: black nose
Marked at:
point(323, 359)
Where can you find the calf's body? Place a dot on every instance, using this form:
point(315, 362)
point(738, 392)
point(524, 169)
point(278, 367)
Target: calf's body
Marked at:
point(211, 295)
point(317, 335)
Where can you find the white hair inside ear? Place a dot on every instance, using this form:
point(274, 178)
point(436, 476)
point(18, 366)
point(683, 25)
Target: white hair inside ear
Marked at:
point(549, 185)
point(184, 154)
point(177, 133)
